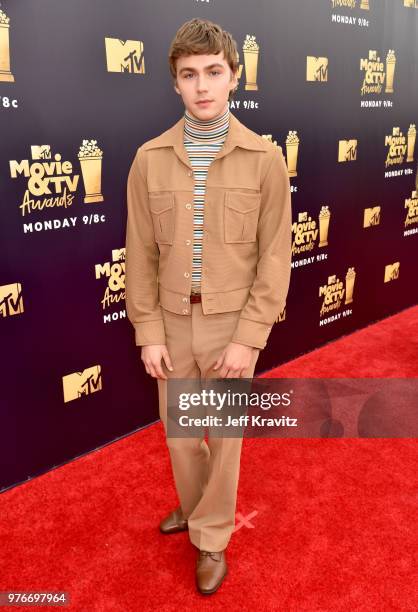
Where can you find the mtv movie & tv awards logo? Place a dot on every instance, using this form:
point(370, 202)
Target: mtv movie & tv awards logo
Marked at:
point(411, 219)
point(378, 78)
point(351, 12)
point(400, 150)
point(335, 295)
point(114, 274)
point(52, 183)
point(309, 234)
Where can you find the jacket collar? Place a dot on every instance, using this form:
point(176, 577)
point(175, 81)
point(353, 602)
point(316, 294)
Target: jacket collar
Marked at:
point(238, 136)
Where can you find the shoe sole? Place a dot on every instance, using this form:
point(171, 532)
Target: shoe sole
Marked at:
point(174, 530)
point(209, 592)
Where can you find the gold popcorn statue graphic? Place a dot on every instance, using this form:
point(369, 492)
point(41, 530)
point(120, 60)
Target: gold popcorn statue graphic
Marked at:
point(77, 384)
point(11, 300)
point(90, 157)
point(316, 68)
point(350, 277)
point(5, 74)
point(390, 70)
point(324, 217)
point(364, 4)
point(251, 53)
point(410, 3)
point(292, 149)
point(391, 272)
point(125, 56)
point(412, 134)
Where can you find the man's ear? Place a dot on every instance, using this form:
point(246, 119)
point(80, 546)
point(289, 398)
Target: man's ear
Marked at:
point(234, 80)
point(175, 86)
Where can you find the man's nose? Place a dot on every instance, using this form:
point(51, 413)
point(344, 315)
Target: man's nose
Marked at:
point(201, 84)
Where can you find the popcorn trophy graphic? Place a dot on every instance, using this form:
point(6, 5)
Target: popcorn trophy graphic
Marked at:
point(324, 217)
point(5, 74)
point(412, 134)
point(269, 137)
point(251, 52)
point(90, 157)
point(292, 148)
point(364, 4)
point(350, 277)
point(390, 70)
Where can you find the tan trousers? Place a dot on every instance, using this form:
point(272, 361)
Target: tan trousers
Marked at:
point(205, 474)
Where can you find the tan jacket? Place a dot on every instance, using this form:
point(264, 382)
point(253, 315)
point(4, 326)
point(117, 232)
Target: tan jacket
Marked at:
point(246, 251)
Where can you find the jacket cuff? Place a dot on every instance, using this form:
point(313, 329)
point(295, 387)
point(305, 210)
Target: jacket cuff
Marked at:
point(150, 332)
point(251, 333)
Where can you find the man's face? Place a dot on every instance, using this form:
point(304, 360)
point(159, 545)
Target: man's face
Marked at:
point(204, 77)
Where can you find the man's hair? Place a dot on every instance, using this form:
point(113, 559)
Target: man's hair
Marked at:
point(202, 37)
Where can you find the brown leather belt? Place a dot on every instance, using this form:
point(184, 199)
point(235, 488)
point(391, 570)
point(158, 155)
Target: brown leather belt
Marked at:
point(195, 298)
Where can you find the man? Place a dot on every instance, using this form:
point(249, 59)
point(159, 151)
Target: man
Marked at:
point(208, 252)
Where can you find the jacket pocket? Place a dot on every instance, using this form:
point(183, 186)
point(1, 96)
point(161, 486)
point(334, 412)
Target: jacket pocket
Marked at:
point(241, 211)
point(162, 211)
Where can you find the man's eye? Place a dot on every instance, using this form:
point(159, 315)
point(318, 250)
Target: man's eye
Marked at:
point(215, 72)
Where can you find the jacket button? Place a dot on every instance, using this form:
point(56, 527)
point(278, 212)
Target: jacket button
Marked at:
point(185, 299)
point(188, 242)
point(188, 205)
point(185, 311)
point(186, 274)
point(190, 173)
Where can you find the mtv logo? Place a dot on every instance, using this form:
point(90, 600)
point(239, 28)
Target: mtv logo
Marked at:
point(316, 68)
point(82, 383)
point(125, 56)
point(282, 315)
point(41, 151)
point(118, 254)
point(347, 150)
point(302, 216)
point(392, 271)
point(11, 300)
point(371, 216)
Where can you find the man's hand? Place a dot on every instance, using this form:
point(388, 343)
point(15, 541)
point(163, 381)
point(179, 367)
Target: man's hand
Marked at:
point(234, 360)
point(151, 356)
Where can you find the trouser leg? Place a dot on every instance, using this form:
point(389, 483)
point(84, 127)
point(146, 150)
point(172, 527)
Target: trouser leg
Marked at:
point(189, 456)
point(213, 519)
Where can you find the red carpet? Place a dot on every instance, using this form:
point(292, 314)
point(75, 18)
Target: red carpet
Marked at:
point(323, 525)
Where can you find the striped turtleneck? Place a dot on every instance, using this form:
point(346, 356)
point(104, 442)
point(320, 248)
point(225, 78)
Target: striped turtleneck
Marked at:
point(202, 140)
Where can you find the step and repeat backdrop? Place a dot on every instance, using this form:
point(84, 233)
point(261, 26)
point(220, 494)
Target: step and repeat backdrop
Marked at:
point(82, 85)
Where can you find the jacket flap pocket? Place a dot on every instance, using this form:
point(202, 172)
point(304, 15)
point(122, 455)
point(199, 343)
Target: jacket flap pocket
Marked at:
point(161, 202)
point(242, 202)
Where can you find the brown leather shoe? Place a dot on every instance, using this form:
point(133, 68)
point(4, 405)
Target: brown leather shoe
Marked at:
point(211, 569)
point(174, 522)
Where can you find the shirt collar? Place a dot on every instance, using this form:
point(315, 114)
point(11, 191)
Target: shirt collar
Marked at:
point(238, 136)
point(206, 130)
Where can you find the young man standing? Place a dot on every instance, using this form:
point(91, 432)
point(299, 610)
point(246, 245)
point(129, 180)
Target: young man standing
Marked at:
point(208, 253)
